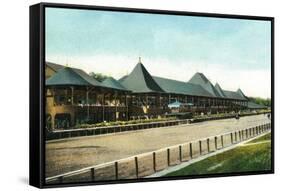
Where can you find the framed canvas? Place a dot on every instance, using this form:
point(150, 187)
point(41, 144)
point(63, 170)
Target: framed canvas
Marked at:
point(120, 95)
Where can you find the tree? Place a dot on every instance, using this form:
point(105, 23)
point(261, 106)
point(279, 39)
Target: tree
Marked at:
point(261, 101)
point(98, 76)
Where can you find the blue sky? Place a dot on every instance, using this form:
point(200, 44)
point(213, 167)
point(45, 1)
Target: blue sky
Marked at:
point(170, 46)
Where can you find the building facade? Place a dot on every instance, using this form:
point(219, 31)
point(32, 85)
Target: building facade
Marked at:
point(73, 97)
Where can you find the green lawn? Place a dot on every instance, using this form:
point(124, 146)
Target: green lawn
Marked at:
point(266, 137)
point(245, 158)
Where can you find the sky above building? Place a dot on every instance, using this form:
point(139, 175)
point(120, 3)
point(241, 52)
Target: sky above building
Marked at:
point(235, 53)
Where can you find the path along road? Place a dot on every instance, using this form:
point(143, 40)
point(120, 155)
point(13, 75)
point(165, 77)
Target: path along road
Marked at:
point(73, 154)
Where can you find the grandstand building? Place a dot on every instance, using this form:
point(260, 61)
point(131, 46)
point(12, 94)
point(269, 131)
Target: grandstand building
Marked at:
point(73, 97)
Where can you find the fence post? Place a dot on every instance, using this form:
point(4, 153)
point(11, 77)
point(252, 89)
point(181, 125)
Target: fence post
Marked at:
point(256, 130)
point(116, 170)
point(208, 145)
point(180, 153)
point(268, 126)
point(60, 179)
point(222, 141)
point(154, 161)
point(93, 174)
point(200, 147)
point(190, 150)
point(137, 167)
point(235, 136)
point(231, 137)
point(246, 133)
point(216, 143)
point(250, 132)
point(168, 156)
point(239, 132)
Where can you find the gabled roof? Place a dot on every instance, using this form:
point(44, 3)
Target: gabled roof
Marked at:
point(200, 79)
point(71, 76)
point(252, 105)
point(123, 78)
point(178, 87)
point(54, 66)
point(233, 95)
point(114, 84)
point(140, 81)
point(219, 90)
point(87, 77)
point(239, 91)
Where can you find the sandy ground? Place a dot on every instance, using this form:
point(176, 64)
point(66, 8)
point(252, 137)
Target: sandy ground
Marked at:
point(76, 153)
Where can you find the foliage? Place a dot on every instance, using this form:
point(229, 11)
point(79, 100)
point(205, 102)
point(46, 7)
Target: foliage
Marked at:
point(120, 123)
point(227, 115)
point(98, 76)
point(261, 101)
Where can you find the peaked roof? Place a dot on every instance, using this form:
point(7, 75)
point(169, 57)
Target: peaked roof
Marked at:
point(200, 79)
point(140, 81)
point(114, 84)
point(178, 87)
point(219, 90)
point(233, 95)
point(123, 78)
point(54, 66)
point(71, 76)
point(239, 91)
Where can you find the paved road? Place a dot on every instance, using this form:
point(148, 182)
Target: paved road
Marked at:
point(76, 153)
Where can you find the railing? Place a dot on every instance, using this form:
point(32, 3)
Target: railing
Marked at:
point(62, 108)
point(146, 164)
point(58, 134)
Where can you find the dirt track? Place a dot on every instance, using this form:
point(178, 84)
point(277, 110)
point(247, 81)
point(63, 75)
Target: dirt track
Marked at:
point(73, 154)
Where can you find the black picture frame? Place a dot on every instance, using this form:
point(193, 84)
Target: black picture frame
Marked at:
point(37, 89)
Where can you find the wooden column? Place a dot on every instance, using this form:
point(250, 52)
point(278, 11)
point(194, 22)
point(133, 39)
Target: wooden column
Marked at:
point(103, 97)
point(87, 102)
point(169, 98)
point(159, 97)
point(53, 95)
point(72, 95)
point(115, 102)
point(127, 108)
